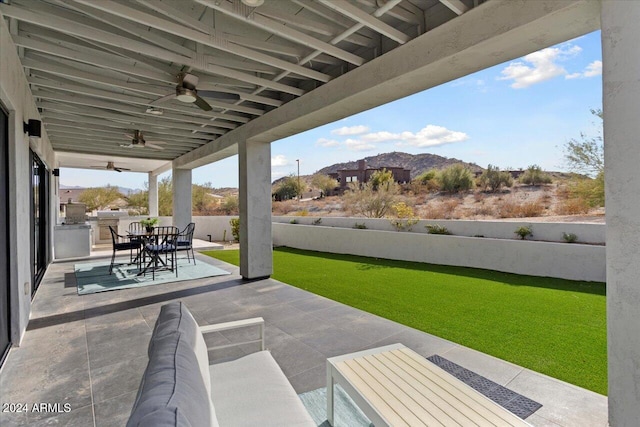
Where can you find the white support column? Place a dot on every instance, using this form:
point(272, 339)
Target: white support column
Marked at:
point(621, 105)
point(256, 252)
point(153, 194)
point(181, 187)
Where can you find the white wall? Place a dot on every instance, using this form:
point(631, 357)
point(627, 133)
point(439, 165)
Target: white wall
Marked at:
point(562, 260)
point(214, 225)
point(16, 96)
point(547, 231)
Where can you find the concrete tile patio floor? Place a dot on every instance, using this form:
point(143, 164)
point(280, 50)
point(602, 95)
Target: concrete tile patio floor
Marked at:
point(90, 351)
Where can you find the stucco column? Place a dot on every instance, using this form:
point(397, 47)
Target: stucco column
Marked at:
point(256, 253)
point(621, 105)
point(153, 195)
point(181, 187)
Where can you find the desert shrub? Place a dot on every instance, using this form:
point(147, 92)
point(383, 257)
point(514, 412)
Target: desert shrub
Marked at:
point(493, 179)
point(369, 201)
point(360, 226)
point(589, 190)
point(293, 221)
point(405, 218)
point(444, 210)
point(569, 237)
point(229, 205)
point(483, 209)
point(455, 179)
point(381, 178)
point(324, 183)
point(437, 229)
point(574, 206)
point(235, 228)
point(317, 221)
point(535, 176)
point(303, 212)
point(289, 188)
point(513, 209)
point(524, 231)
point(283, 208)
point(478, 197)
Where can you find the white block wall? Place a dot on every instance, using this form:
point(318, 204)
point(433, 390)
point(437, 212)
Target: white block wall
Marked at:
point(546, 259)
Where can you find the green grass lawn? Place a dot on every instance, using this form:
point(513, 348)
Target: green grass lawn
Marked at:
point(553, 326)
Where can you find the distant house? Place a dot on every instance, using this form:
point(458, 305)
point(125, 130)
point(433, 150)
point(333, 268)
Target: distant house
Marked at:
point(363, 174)
point(69, 195)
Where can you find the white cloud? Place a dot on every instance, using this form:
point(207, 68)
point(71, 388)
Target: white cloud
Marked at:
point(350, 130)
point(275, 175)
point(358, 145)
point(429, 136)
point(539, 66)
point(324, 142)
point(594, 69)
point(279, 160)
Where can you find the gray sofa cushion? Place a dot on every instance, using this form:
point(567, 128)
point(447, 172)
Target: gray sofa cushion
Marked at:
point(172, 391)
point(253, 391)
point(175, 317)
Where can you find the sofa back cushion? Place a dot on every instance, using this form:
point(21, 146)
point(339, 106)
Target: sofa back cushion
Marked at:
point(176, 386)
point(176, 317)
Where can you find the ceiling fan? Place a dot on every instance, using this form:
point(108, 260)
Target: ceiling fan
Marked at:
point(186, 92)
point(110, 167)
point(138, 141)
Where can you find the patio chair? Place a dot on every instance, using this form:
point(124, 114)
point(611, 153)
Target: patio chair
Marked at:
point(122, 243)
point(161, 248)
point(185, 241)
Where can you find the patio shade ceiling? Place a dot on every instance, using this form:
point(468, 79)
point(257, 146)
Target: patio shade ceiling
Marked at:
point(96, 67)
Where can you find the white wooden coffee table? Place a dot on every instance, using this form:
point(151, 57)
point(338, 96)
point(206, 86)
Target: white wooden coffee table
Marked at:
point(395, 386)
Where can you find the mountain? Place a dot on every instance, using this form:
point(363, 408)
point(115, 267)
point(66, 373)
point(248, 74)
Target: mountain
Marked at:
point(417, 163)
point(124, 190)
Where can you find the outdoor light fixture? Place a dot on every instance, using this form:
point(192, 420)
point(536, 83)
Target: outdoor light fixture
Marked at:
point(33, 128)
point(155, 111)
point(253, 3)
point(185, 95)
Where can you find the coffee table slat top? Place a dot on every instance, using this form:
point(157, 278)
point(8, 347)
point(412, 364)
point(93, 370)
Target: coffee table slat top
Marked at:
point(406, 389)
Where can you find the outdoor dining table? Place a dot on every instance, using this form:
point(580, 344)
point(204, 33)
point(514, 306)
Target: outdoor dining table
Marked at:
point(145, 238)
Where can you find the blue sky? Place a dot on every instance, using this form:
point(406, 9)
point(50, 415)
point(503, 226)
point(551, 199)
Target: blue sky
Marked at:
point(512, 115)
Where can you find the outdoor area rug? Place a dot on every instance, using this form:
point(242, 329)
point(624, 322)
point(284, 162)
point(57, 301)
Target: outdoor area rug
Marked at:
point(94, 276)
point(345, 412)
point(508, 399)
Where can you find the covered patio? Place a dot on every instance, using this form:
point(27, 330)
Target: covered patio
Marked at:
point(94, 71)
point(91, 351)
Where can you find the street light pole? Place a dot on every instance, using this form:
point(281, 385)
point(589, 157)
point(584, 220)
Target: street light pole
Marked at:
point(299, 193)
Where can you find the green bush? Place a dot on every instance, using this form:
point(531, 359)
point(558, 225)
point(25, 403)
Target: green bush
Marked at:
point(569, 237)
point(493, 178)
point(317, 221)
point(360, 226)
point(293, 221)
point(589, 190)
point(405, 218)
point(289, 188)
point(524, 232)
point(235, 228)
point(535, 176)
point(455, 179)
point(437, 229)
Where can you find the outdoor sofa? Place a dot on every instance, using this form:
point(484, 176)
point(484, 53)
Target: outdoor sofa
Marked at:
point(180, 388)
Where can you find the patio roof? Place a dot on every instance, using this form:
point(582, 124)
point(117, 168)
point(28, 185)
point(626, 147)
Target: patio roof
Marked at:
point(96, 67)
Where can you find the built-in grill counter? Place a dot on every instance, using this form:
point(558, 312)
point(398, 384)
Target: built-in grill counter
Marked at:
point(108, 219)
point(72, 239)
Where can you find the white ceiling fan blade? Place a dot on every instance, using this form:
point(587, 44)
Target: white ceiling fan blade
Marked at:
point(202, 104)
point(97, 167)
point(154, 146)
point(163, 99)
point(155, 142)
point(129, 136)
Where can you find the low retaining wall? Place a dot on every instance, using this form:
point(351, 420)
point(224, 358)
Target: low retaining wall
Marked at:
point(547, 231)
point(205, 225)
point(546, 259)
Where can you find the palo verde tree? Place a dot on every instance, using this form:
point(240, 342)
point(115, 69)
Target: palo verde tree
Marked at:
point(586, 154)
point(535, 176)
point(289, 188)
point(455, 179)
point(100, 197)
point(323, 183)
point(375, 198)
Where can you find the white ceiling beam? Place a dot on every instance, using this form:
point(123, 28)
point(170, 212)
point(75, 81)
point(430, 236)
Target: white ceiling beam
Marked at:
point(72, 27)
point(74, 117)
point(113, 96)
point(370, 21)
point(281, 30)
point(335, 17)
point(81, 133)
point(120, 152)
point(212, 39)
point(455, 5)
point(128, 27)
point(115, 143)
point(203, 84)
point(98, 59)
point(398, 13)
point(93, 102)
point(311, 25)
point(65, 125)
point(119, 117)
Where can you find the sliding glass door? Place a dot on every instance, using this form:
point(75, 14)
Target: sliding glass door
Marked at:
point(39, 220)
point(4, 235)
